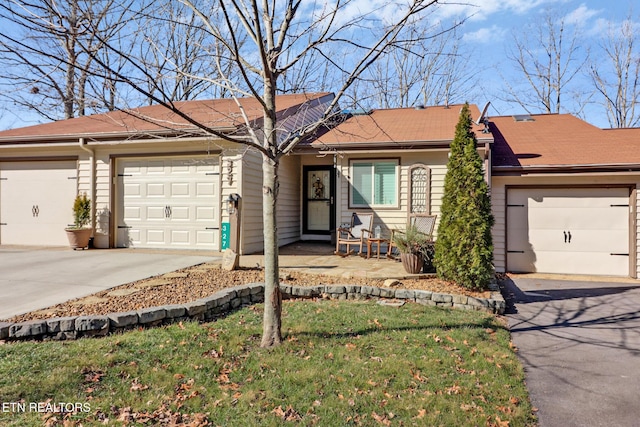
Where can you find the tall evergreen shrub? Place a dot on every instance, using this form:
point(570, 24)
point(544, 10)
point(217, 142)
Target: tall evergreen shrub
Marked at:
point(464, 247)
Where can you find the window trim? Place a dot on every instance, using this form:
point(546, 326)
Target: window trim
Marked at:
point(398, 170)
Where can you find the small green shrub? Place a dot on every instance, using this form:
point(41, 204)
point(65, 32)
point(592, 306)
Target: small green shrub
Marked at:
point(81, 211)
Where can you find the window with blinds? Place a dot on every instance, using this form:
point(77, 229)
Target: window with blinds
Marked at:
point(374, 183)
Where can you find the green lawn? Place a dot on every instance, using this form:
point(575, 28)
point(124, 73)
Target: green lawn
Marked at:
point(343, 363)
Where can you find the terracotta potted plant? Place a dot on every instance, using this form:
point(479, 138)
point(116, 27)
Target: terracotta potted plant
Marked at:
point(80, 234)
point(415, 248)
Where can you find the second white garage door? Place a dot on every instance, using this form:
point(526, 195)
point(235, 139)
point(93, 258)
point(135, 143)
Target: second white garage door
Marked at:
point(568, 230)
point(168, 203)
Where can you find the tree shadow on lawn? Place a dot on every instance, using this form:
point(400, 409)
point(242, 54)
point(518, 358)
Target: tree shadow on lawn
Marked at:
point(487, 323)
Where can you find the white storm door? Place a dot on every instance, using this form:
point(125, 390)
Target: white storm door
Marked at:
point(36, 202)
point(169, 203)
point(568, 230)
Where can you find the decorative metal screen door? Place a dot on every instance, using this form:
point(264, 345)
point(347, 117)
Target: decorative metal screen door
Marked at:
point(318, 199)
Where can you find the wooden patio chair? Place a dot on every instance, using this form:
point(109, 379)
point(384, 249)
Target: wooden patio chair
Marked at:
point(357, 233)
point(424, 223)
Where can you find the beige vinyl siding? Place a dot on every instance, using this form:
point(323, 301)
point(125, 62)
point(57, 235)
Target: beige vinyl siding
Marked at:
point(103, 212)
point(102, 193)
point(251, 173)
point(288, 216)
point(498, 200)
point(103, 201)
point(498, 209)
point(288, 205)
point(84, 174)
point(394, 217)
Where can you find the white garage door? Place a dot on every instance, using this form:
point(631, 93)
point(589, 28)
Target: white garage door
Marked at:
point(568, 230)
point(169, 203)
point(36, 201)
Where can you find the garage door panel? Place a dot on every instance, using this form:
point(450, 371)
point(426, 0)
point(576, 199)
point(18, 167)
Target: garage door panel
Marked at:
point(563, 262)
point(539, 221)
point(156, 167)
point(205, 189)
point(132, 213)
point(132, 190)
point(155, 213)
point(155, 236)
point(156, 190)
point(181, 189)
point(35, 202)
point(180, 202)
point(581, 240)
point(204, 213)
point(180, 167)
point(583, 218)
point(180, 237)
point(181, 213)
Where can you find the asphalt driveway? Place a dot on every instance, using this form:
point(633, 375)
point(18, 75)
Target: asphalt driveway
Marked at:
point(579, 342)
point(34, 278)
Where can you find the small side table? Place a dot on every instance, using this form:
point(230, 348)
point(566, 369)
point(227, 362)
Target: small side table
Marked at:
point(375, 240)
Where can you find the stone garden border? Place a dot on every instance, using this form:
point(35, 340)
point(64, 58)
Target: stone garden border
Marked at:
point(225, 301)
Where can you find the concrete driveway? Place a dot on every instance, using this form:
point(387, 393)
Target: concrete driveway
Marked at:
point(579, 342)
point(36, 278)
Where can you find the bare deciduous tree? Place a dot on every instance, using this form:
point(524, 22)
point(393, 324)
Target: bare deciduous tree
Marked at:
point(48, 54)
point(616, 75)
point(175, 48)
point(259, 49)
point(430, 69)
point(547, 56)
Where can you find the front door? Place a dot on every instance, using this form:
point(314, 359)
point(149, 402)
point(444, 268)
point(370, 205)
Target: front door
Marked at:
point(318, 203)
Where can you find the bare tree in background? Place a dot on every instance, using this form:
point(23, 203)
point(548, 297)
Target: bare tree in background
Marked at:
point(616, 75)
point(428, 70)
point(268, 43)
point(174, 47)
point(47, 51)
point(547, 56)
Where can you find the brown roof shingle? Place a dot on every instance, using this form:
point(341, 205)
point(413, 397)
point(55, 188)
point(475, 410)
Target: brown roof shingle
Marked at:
point(398, 125)
point(560, 140)
point(156, 119)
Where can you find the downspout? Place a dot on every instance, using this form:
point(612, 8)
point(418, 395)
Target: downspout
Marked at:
point(92, 181)
point(487, 163)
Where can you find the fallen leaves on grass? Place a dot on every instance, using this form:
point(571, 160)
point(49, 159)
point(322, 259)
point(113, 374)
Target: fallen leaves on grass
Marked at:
point(137, 386)
point(288, 414)
point(161, 416)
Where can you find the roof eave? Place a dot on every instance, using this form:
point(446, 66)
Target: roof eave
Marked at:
point(400, 145)
point(73, 138)
point(567, 168)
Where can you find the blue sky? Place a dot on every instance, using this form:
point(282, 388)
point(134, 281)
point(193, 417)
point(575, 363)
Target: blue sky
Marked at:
point(489, 32)
point(486, 35)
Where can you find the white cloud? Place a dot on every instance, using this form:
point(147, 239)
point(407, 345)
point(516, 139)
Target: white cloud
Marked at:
point(581, 15)
point(479, 10)
point(485, 35)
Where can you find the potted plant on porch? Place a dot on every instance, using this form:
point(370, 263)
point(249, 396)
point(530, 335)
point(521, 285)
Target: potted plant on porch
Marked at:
point(79, 235)
point(415, 248)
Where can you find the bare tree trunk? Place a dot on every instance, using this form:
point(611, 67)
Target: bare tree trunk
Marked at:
point(272, 324)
